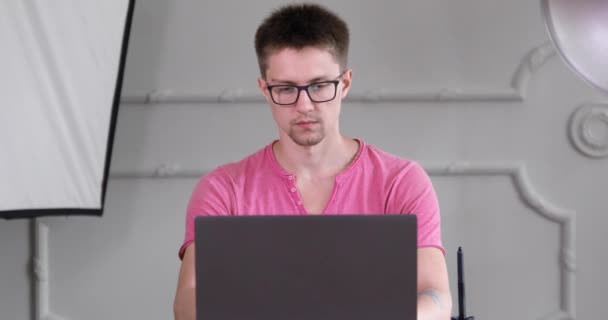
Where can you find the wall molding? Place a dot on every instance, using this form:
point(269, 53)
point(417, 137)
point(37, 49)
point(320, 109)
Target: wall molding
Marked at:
point(516, 92)
point(40, 270)
point(518, 174)
point(516, 171)
point(564, 217)
point(582, 130)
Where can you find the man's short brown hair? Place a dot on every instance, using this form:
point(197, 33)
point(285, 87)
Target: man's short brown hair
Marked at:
point(299, 26)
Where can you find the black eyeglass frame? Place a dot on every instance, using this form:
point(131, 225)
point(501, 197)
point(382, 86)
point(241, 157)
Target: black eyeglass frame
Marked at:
point(305, 88)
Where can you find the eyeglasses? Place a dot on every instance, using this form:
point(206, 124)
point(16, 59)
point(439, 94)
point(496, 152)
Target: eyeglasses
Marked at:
point(318, 92)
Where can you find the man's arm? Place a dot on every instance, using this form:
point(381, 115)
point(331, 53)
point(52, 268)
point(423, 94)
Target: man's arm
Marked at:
point(434, 299)
point(185, 297)
point(211, 196)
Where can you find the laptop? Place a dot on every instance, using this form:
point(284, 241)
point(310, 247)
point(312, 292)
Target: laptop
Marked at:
point(325, 267)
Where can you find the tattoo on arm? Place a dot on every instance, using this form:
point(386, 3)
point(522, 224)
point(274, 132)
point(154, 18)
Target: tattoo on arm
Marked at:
point(433, 294)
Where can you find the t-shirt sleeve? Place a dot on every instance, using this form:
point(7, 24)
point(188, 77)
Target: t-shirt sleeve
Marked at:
point(418, 197)
point(213, 195)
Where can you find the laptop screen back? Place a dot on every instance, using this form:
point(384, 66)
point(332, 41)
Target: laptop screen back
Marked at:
point(306, 267)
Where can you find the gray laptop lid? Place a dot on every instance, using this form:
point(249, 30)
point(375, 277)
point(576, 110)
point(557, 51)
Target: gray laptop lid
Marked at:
point(306, 267)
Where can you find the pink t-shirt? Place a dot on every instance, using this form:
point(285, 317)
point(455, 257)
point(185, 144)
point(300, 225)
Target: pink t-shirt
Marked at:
point(376, 182)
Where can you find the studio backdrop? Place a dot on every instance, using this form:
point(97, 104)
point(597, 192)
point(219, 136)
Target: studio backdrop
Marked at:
point(62, 65)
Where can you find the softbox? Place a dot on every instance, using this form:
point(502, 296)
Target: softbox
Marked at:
point(62, 66)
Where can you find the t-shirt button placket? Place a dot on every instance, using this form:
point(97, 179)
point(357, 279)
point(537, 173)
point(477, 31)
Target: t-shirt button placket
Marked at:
point(294, 190)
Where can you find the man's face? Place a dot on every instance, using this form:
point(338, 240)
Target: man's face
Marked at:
point(306, 122)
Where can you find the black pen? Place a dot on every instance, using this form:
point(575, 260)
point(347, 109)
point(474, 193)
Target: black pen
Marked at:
point(461, 301)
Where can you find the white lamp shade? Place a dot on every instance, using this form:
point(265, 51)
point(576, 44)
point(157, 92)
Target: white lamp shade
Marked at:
point(579, 31)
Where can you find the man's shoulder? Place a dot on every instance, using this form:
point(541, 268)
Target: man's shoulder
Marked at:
point(380, 163)
point(386, 159)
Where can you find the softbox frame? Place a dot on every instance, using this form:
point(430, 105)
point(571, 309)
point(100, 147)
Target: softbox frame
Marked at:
point(63, 65)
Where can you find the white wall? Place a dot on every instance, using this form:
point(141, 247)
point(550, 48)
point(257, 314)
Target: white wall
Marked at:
point(468, 88)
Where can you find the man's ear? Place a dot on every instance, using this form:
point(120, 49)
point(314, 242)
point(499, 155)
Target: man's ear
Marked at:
point(262, 86)
point(347, 80)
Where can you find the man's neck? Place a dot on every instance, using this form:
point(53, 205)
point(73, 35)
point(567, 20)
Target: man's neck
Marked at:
point(324, 160)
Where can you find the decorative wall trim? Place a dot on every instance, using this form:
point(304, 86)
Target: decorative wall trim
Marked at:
point(529, 64)
point(516, 171)
point(517, 91)
point(40, 266)
point(583, 123)
point(162, 171)
point(565, 218)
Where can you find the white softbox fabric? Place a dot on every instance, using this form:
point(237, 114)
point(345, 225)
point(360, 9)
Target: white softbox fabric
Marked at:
point(62, 64)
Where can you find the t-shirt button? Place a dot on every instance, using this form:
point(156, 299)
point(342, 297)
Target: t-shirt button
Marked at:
point(293, 189)
point(299, 203)
point(290, 177)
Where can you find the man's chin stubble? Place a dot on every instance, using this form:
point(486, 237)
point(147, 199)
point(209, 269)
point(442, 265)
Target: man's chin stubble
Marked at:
point(306, 141)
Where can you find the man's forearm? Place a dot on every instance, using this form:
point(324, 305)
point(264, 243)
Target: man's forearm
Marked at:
point(433, 305)
point(184, 307)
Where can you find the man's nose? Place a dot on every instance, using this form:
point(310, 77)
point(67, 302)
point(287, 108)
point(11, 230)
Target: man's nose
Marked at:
point(304, 104)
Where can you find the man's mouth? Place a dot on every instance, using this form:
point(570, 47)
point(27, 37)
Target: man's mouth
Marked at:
point(306, 123)
point(306, 120)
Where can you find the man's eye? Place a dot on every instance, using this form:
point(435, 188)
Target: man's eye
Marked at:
point(285, 90)
point(319, 86)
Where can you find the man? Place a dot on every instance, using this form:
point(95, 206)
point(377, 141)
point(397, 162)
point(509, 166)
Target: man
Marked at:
point(313, 169)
